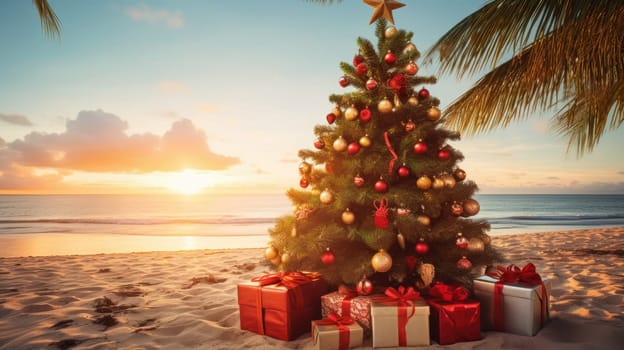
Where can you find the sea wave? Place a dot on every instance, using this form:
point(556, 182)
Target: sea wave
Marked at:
point(559, 220)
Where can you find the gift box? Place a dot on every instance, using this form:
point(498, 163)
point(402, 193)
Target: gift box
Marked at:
point(400, 319)
point(512, 304)
point(346, 302)
point(281, 305)
point(454, 318)
point(336, 333)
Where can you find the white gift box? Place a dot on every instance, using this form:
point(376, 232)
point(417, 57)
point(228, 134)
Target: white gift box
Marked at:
point(385, 325)
point(522, 305)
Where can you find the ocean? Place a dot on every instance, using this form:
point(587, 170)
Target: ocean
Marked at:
point(91, 224)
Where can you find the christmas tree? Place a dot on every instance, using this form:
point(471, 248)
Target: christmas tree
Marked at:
point(382, 201)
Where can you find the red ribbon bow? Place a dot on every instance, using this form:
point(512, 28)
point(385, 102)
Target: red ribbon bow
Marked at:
point(448, 293)
point(287, 279)
point(346, 302)
point(341, 322)
point(403, 297)
point(513, 274)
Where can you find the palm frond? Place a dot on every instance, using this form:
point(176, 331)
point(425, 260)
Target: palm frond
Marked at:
point(49, 21)
point(575, 59)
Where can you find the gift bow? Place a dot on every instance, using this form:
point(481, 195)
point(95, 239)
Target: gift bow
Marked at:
point(343, 331)
point(287, 279)
point(513, 274)
point(349, 294)
point(403, 297)
point(448, 293)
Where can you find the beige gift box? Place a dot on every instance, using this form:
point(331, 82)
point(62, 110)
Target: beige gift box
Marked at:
point(522, 305)
point(385, 317)
point(327, 337)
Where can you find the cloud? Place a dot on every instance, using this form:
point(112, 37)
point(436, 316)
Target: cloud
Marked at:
point(207, 107)
point(15, 119)
point(96, 141)
point(553, 178)
point(143, 13)
point(173, 87)
point(620, 172)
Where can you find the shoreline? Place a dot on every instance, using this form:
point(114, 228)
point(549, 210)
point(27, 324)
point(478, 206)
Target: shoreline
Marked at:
point(187, 299)
point(79, 244)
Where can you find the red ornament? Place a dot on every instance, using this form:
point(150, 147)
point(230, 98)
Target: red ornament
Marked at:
point(353, 148)
point(420, 147)
point(357, 59)
point(304, 182)
point(343, 81)
point(411, 68)
point(464, 263)
point(421, 247)
point(365, 115)
point(457, 209)
point(398, 83)
point(410, 126)
point(381, 214)
point(331, 117)
point(358, 180)
point(390, 58)
point(371, 84)
point(403, 171)
point(327, 258)
point(423, 94)
point(381, 186)
point(361, 68)
point(461, 241)
point(364, 286)
point(444, 154)
point(411, 262)
point(319, 144)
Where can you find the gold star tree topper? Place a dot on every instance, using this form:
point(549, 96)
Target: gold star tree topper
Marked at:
point(383, 8)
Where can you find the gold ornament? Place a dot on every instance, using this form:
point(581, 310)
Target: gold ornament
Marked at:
point(365, 141)
point(381, 261)
point(459, 174)
point(326, 196)
point(426, 273)
point(351, 113)
point(437, 184)
point(270, 252)
point(276, 260)
point(471, 207)
point(409, 48)
point(475, 245)
point(401, 240)
point(433, 114)
point(413, 101)
point(449, 181)
point(423, 220)
point(340, 144)
point(384, 106)
point(383, 8)
point(293, 232)
point(348, 217)
point(336, 111)
point(285, 258)
point(423, 183)
point(390, 32)
point(305, 168)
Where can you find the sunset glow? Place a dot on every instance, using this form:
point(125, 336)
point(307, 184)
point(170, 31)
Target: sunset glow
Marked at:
point(187, 182)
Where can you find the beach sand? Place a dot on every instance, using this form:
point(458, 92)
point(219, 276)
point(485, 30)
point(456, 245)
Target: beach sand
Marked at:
point(187, 299)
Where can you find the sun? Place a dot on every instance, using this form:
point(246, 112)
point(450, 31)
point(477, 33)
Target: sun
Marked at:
point(187, 182)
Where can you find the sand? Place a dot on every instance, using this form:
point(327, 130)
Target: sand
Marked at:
point(187, 299)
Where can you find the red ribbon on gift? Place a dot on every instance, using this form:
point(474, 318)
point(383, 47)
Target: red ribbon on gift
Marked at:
point(290, 280)
point(346, 302)
point(403, 297)
point(513, 274)
point(343, 331)
point(448, 293)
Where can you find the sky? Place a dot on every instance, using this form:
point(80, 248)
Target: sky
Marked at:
point(219, 96)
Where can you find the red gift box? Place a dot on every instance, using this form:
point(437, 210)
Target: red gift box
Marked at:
point(454, 318)
point(281, 305)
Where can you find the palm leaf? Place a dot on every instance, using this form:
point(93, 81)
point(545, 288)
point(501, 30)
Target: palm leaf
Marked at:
point(49, 21)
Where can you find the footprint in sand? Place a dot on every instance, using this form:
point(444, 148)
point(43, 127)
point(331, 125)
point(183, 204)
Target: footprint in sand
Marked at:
point(37, 308)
